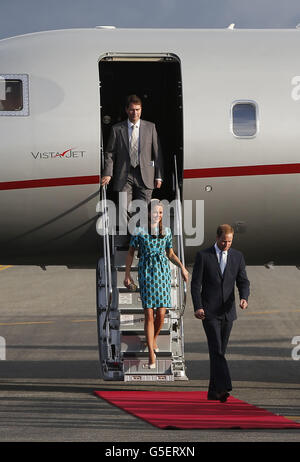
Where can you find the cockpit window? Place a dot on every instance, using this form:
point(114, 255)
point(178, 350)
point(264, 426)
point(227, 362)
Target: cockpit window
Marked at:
point(244, 119)
point(13, 95)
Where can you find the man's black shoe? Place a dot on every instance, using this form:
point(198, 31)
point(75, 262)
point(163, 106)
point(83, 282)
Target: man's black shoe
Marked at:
point(218, 396)
point(213, 395)
point(223, 396)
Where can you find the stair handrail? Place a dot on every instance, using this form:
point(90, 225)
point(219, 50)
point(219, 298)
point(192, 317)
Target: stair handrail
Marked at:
point(180, 244)
point(106, 253)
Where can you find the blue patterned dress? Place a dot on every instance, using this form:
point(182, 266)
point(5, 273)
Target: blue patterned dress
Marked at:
point(154, 268)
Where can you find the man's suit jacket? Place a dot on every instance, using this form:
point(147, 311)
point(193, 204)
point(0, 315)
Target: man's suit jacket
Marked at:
point(214, 292)
point(117, 158)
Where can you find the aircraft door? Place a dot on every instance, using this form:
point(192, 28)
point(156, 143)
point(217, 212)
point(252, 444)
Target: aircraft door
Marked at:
point(157, 81)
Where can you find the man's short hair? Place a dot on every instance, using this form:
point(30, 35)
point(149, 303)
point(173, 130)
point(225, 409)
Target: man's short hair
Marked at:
point(224, 229)
point(133, 99)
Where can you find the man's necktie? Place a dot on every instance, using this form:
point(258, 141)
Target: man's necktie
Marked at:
point(134, 148)
point(222, 261)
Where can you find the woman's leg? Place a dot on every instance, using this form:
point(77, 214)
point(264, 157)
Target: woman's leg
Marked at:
point(149, 332)
point(158, 324)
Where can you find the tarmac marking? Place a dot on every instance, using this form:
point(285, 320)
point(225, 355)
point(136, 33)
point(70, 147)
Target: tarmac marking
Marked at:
point(84, 320)
point(3, 267)
point(273, 311)
point(22, 323)
point(25, 322)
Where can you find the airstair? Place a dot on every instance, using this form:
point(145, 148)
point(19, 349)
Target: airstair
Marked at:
point(120, 316)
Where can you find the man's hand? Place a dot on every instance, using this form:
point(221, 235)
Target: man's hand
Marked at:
point(200, 314)
point(105, 180)
point(243, 304)
point(157, 184)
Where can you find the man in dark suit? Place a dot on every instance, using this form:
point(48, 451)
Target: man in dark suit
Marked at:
point(133, 157)
point(216, 271)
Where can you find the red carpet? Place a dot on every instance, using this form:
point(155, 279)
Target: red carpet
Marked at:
point(182, 410)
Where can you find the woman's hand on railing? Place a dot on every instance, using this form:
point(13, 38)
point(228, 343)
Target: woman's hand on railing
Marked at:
point(105, 180)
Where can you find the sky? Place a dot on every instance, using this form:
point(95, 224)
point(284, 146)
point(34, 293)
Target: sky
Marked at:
point(25, 16)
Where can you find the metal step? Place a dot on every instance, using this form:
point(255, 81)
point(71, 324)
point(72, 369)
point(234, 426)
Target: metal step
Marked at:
point(144, 354)
point(136, 367)
point(135, 341)
point(128, 299)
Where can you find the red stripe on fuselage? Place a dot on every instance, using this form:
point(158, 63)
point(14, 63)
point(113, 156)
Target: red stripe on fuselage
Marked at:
point(50, 182)
point(214, 172)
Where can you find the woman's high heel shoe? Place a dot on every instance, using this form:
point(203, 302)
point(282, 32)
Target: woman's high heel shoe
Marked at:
point(153, 365)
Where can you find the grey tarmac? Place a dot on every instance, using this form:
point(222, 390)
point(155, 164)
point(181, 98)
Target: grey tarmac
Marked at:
point(51, 365)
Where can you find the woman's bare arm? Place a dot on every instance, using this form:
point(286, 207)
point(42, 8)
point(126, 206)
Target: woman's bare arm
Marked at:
point(174, 259)
point(129, 260)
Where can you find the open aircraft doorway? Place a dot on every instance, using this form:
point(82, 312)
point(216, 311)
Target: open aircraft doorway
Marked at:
point(156, 79)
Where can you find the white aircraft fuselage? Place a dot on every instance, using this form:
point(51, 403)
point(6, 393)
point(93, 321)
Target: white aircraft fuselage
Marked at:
point(50, 147)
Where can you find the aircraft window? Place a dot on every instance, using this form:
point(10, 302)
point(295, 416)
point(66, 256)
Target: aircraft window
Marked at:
point(244, 119)
point(13, 95)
